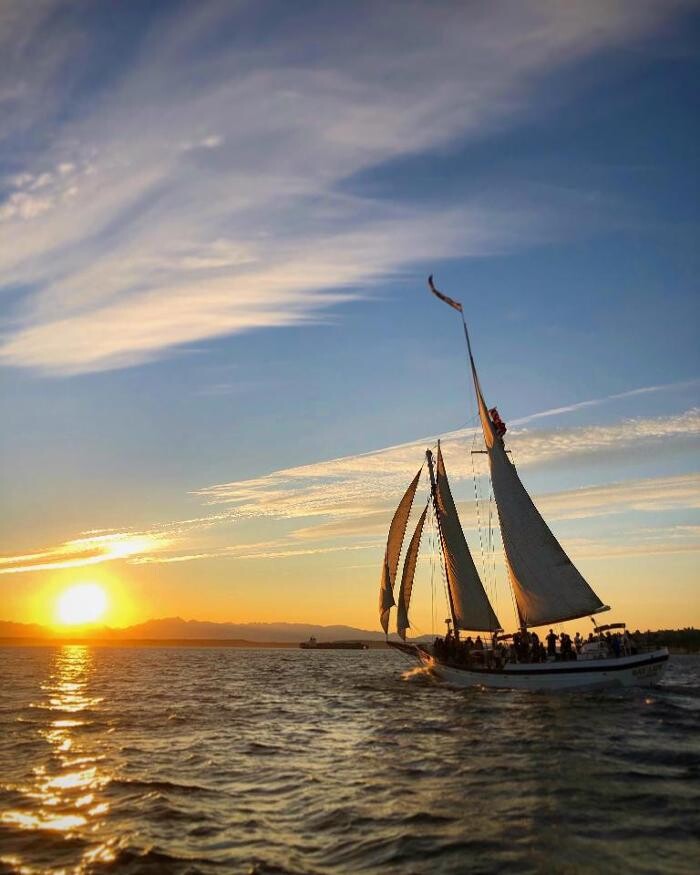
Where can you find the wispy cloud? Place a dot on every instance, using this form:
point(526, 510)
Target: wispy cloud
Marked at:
point(646, 542)
point(597, 402)
point(110, 225)
point(281, 549)
point(647, 495)
point(345, 504)
point(90, 550)
point(537, 447)
point(353, 485)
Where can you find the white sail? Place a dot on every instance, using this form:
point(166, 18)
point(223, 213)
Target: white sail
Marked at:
point(548, 587)
point(470, 604)
point(409, 570)
point(397, 530)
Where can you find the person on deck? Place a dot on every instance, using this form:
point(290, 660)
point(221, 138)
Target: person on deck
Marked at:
point(552, 643)
point(478, 644)
point(534, 648)
point(567, 651)
point(517, 646)
point(578, 642)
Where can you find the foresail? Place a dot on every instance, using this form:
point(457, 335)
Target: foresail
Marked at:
point(397, 530)
point(409, 570)
point(470, 603)
point(548, 587)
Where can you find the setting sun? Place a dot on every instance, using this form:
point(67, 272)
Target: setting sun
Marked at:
point(83, 603)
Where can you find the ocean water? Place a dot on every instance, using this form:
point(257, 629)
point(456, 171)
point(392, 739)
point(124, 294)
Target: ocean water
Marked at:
point(150, 760)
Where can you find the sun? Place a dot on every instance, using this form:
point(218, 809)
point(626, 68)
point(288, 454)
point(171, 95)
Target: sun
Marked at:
point(82, 603)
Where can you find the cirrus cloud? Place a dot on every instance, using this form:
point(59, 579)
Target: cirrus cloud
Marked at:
point(253, 143)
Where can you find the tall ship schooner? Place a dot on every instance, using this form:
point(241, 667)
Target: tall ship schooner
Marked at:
point(547, 588)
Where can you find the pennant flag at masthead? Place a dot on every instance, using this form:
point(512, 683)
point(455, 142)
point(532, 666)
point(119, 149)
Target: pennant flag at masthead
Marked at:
point(438, 294)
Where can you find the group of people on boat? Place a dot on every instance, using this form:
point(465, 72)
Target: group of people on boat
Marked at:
point(527, 647)
point(620, 643)
point(465, 651)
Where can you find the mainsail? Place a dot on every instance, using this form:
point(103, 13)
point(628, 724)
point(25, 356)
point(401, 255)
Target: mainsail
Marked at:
point(397, 530)
point(470, 605)
point(409, 570)
point(548, 587)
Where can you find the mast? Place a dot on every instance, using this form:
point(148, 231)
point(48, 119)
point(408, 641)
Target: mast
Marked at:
point(433, 493)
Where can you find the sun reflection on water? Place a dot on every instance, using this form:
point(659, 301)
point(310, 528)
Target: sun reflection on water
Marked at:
point(63, 794)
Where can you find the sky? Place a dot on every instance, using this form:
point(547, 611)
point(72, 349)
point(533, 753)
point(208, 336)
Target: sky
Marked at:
point(220, 365)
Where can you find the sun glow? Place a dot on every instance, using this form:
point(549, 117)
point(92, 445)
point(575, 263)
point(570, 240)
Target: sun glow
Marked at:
point(82, 603)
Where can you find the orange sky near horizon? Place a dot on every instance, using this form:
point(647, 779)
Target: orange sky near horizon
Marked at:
point(298, 591)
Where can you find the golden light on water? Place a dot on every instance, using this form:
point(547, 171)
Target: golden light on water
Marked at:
point(80, 604)
point(64, 794)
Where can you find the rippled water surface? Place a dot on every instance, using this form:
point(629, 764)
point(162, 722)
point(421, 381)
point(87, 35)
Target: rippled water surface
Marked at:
point(274, 761)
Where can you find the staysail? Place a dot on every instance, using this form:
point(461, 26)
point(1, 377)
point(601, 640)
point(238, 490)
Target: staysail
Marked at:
point(548, 587)
point(409, 570)
point(397, 530)
point(471, 607)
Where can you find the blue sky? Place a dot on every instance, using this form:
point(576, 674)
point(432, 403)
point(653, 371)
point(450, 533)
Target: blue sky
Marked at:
point(216, 221)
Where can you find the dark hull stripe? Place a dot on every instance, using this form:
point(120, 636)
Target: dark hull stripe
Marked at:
point(565, 669)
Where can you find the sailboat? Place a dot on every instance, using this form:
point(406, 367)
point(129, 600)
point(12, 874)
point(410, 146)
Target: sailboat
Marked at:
point(547, 587)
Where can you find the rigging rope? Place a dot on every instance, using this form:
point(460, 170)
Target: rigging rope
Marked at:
point(505, 559)
point(445, 590)
point(443, 574)
point(492, 553)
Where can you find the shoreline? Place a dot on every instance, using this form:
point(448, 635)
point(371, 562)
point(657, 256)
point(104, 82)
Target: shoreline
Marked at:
point(241, 643)
point(166, 642)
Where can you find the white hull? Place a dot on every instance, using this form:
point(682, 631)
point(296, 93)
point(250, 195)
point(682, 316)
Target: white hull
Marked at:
point(640, 670)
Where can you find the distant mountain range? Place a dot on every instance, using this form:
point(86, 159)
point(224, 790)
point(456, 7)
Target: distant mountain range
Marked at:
point(177, 628)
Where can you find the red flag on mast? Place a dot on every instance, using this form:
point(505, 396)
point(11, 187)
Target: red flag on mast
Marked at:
point(454, 304)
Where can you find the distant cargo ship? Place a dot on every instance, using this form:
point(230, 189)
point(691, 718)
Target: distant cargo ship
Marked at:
point(313, 644)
